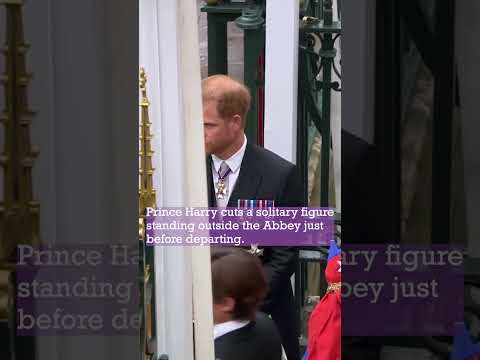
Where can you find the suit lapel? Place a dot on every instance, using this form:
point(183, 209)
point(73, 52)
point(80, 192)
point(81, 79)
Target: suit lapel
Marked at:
point(210, 188)
point(248, 180)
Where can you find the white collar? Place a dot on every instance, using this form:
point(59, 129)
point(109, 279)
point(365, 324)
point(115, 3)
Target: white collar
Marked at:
point(233, 161)
point(229, 326)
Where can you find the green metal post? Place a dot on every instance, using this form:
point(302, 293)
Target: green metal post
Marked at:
point(327, 58)
point(318, 8)
point(248, 17)
point(302, 126)
point(253, 47)
point(327, 54)
point(252, 22)
point(217, 44)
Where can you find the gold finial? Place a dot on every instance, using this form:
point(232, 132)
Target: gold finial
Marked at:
point(146, 198)
point(147, 195)
point(19, 212)
point(143, 87)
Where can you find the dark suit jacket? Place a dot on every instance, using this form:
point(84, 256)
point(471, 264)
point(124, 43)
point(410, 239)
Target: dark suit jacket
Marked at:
point(266, 176)
point(259, 340)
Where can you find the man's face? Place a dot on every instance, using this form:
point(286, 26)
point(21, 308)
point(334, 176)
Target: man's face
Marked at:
point(219, 133)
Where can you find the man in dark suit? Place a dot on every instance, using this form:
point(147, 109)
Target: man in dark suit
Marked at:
point(239, 285)
point(238, 171)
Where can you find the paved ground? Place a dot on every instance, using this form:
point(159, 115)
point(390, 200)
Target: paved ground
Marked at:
point(235, 46)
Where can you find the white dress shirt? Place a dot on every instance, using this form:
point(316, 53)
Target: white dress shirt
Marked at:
point(233, 163)
point(227, 327)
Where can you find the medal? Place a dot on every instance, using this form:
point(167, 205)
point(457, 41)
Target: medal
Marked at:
point(250, 204)
point(221, 191)
point(254, 250)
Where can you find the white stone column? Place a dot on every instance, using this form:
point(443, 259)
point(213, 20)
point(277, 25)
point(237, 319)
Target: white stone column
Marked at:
point(281, 78)
point(159, 50)
point(195, 174)
point(169, 52)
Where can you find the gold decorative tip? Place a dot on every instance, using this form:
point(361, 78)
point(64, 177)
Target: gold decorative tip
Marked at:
point(143, 79)
point(147, 195)
point(143, 88)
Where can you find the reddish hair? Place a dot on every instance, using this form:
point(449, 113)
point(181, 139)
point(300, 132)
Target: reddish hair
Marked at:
point(231, 97)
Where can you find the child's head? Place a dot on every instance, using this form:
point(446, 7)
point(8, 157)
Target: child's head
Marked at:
point(238, 284)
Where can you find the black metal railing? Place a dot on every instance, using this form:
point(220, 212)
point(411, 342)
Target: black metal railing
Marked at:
point(317, 67)
point(318, 64)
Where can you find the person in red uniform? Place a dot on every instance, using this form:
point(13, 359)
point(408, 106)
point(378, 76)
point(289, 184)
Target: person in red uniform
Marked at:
point(324, 325)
